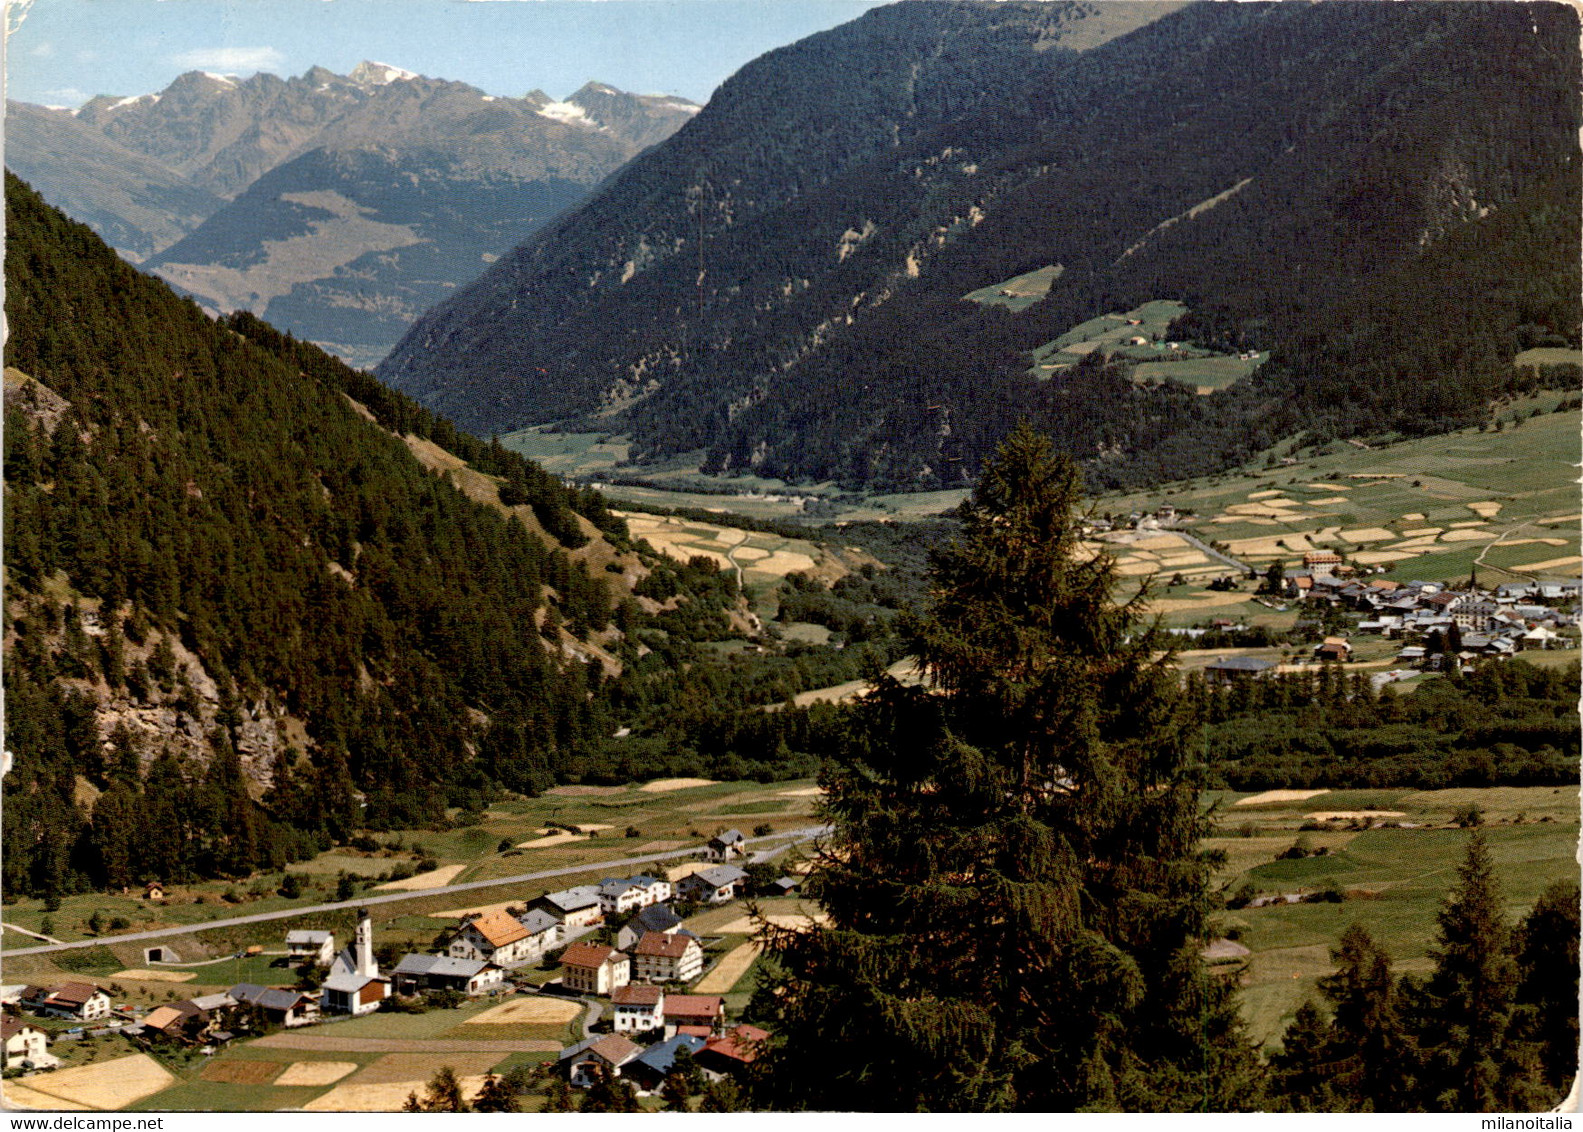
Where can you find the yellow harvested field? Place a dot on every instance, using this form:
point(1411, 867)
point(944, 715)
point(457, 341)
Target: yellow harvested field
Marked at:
point(400, 1068)
point(18, 1095)
point(1135, 568)
point(665, 785)
point(1466, 536)
point(745, 925)
point(1551, 564)
point(784, 562)
point(751, 554)
point(1278, 796)
point(1420, 532)
point(434, 878)
point(384, 1096)
point(1559, 519)
point(1265, 494)
point(1381, 557)
point(528, 1008)
point(1486, 510)
point(156, 976)
point(1193, 558)
point(805, 792)
point(1158, 542)
point(481, 909)
point(1348, 815)
point(106, 1084)
point(1468, 523)
point(549, 839)
point(1266, 544)
point(315, 1072)
point(1375, 476)
point(1531, 541)
point(1210, 600)
point(677, 872)
point(1265, 509)
point(1368, 534)
point(1326, 502)
point(1331, 487)
point(1413, 517)
point(724, 975)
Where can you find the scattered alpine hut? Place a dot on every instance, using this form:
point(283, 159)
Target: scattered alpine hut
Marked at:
point(311, 947)
point(355, 985)
point(726, 846)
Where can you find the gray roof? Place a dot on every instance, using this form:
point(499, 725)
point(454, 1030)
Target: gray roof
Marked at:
point(270, 998)
point(313, 937)
point(213, 1001)
point(537, 921)
point(347, 982)
point(661, 1057)
point(415, 964)
point(729, 837)
point(656, 918)
point(719, 876)
point(573, 899)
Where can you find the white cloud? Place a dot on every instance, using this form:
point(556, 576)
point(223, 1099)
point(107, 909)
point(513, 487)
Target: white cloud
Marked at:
point(66, 96)
point(43, 50)
point(238, 60)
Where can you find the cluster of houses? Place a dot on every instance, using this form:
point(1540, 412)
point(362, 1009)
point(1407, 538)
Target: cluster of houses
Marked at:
point(683, 1022)
point(651, 951)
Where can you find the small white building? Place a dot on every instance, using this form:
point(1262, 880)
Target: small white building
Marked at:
point(726, 846)
point(311, 947)
point(635, 1008)
point(712, 886)
point(620, 895)
point(25, 1045)
point(667, 958)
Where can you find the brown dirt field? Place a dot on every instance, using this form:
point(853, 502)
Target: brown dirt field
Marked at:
point(106, 1084)
point(665, 785)
point(242, 1072)
point(725, 974)
point(156, 976)
point(18, 1095)
point(315, 1072)
point(744, 925)
point(528, 1009)
point(1465, 535)
point(584, 791)
point(329, 1043)
point(1278, 796)
point(435, 878)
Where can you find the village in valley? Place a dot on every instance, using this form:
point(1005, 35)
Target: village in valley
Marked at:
point(628, 977)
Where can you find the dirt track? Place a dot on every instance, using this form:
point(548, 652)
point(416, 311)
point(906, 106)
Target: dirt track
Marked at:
point(332, 1044)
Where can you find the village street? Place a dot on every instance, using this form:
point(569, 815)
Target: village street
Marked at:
point(783, 839)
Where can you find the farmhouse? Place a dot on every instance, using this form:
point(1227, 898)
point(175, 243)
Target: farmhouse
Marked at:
point(25, 1045)
point(573, 907)
point(594, 968)
point(279, 1006)
point(1333, 648)
point(725, 846)
point(311, 946)
point(1230, 669)
point(618, 896)
point(544, 932)
point(82, 1001)
point(637, 1008)
point(654, 918)
point(707, 1011)
point(733, 1051)
point(495, 937)
point(667, 958)
point(650, 1068)
point(583, 1062)
point(445, 972)
point(712, 886)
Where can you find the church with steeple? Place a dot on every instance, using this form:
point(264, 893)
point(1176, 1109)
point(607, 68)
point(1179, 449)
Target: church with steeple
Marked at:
point(355, 985)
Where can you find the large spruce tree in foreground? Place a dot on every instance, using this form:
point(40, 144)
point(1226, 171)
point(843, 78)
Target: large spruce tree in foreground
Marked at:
point(1015, 893)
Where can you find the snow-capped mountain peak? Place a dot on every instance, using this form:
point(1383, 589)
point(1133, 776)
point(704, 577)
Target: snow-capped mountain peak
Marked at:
point(369, 73)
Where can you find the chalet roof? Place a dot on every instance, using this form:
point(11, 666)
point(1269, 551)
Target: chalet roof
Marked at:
point(537, 921)
point(573, 899)
point(582, 954)
point(740, 1043)
point(498, 928)
point(693, 1005)
point(729, 837)
point(161, 1017)
point(445, 965)
point(73, 994)
point(11, 1026)
point(636, 994)
point(719, 876)
point(663, 946)
point(612, 1048)
point(312, 938)
point(655, 918)
point(270, 998)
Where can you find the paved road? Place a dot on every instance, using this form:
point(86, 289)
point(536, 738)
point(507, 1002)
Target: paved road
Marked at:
point(789, 836)
point(1241, 567)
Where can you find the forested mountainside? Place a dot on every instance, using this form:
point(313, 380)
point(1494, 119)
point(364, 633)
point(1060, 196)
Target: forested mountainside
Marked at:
point(242, 618)
point(338, 206)
point(1393, 222)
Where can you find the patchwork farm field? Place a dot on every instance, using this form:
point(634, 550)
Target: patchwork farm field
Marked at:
point(1393, 879)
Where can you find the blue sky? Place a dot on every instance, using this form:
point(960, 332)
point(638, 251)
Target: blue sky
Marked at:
point(62, 52)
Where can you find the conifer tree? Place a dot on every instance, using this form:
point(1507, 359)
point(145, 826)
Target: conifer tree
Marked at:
point(1547, 990)
point(1466, 1004)
point(1016, 899)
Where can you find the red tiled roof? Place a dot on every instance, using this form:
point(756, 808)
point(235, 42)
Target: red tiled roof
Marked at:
point(10, 1026)
point(636, 994)
point(693, 1005)
point(662, 945)
point(582, 954)
point(695, 1031)
point(499, 928)
point(739, 1044)
point(73, 994)
point(615, 1049)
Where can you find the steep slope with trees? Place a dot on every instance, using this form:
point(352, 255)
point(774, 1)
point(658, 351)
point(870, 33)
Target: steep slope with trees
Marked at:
point(1393, 221)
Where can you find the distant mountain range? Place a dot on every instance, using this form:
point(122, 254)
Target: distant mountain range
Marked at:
point(338, 207)
point(1383, 196)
